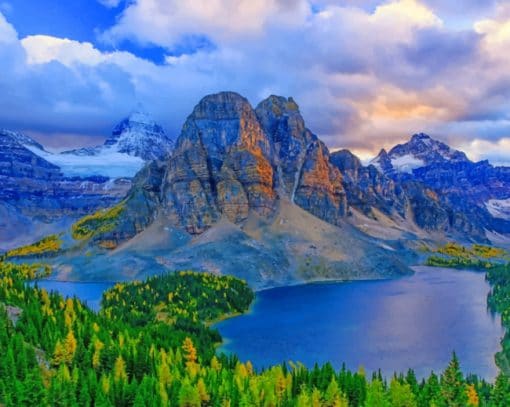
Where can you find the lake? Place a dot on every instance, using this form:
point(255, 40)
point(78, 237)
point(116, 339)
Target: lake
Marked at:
point(412, 322)
point(89, 293)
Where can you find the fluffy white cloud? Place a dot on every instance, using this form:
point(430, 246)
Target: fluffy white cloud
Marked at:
point(42, 49)
point(496, 152)
point(365, 77)
point(166, 22)
point(7, 32)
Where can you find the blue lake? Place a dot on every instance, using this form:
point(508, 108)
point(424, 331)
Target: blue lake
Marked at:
point(412, 322)
point(89, 293)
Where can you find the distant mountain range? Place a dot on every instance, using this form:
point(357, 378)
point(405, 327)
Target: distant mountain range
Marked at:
point(254, 193)
point(135, 140)
point(44, 192)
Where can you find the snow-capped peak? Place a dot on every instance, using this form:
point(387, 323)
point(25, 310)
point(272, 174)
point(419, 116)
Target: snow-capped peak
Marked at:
point(139, 135)
point(135, 140)
point(421, 150)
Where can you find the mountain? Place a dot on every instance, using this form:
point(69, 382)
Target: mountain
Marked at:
point(418, 152)
point(43, 192)
point(254, 193)
point(37, 199)
point(368, 188)
point(471, 196)
point(140, 136)
point(249, 192)
point(134, 141)
point(228, 164)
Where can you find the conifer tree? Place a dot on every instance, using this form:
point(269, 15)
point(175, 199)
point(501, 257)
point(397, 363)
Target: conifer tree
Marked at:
point(453, 388)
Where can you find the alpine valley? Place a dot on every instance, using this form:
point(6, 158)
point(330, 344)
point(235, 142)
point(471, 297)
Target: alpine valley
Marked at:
point(244, 191)
point(43, 192)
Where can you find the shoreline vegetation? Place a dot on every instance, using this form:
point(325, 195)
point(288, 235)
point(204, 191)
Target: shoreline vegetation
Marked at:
point(495, 262)
point(153, 343)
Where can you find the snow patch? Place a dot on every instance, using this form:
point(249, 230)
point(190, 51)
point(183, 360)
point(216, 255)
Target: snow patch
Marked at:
point(406, 163)
point(375, 162)
point(107, 162)
point(499, 208)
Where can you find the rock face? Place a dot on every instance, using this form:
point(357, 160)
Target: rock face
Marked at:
point(221, 166)
point(35, 195)
point(18, 161)
point(369, 188)
point(468, 188)
point(231, 161)
point(302, 161)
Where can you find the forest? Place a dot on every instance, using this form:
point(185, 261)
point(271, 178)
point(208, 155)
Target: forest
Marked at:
point(151, 344)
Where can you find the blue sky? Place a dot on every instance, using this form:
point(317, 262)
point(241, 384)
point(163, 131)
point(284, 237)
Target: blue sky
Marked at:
point(366, 73)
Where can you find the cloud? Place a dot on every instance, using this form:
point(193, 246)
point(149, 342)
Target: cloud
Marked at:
point(366, 74)
point(42, 49)
point(169, 22)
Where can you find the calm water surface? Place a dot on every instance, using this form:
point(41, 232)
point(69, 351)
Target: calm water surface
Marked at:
point(413, 322)
point(89, 293)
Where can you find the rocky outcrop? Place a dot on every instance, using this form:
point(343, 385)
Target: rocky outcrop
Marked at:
point(368, 188)
point(139, 208)
point(231, 161)
point(18, 161)
point(302, 162)
point(221, 166)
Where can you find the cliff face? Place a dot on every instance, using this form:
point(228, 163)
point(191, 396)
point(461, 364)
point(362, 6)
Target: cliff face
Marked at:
point(302, 161)
point(231, 161)
point(368, 188)
point(221, 166)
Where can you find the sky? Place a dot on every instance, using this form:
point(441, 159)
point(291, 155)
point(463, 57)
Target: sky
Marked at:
point(366, 74)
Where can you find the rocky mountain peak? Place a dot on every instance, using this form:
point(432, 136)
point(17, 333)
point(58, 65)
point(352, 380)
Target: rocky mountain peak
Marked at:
point(304, 171)
point(231, 161)
point(223, 121)
point(221, 165)
point(18, 160)
point(22, 139)
point(419, 137)
point(420, 151)
point(140, 136)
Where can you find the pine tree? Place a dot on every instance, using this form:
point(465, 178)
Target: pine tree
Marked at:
point(376, 396)
point(401, 395)
point(500, 395)
point(188, 395)
point(190, 353)
point(119, 370)
point(453, 388)
point(202, 391)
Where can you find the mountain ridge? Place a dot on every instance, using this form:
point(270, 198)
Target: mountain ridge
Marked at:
point(254, 189)
point(44, 192)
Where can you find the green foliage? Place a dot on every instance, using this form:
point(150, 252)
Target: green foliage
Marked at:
point(454, 255)
point(102, 221)
point(49, 244)
point(150, 345)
